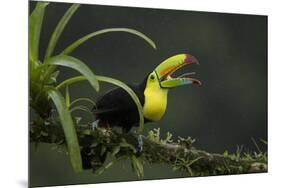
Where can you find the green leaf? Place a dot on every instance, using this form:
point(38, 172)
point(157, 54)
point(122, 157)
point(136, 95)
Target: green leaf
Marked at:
point(68, 128)
point(193, 161)
point(59, 29)
point(255, 143)
point(137, 166)
point(115, 82)
point(263, 141)
point(53, 77)
point(67, 97)
point(35, 25)
point(127, 145)
point(80, 107)
point(76, 64)
point(70, 81)
point(103, 150)
point(115, 150)
point(82, 99)
point(80, 41)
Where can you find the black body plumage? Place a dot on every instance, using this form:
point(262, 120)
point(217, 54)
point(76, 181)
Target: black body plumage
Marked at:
point(117, 108)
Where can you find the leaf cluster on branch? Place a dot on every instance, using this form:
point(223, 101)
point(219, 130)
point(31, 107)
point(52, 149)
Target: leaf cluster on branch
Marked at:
point(44, 89)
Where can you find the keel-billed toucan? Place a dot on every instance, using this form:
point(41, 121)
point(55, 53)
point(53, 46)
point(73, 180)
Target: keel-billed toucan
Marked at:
point(116, 107)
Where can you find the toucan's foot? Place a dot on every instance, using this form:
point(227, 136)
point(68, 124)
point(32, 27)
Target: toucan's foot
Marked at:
point(95, 124)
point(137, 140)
point(140, 143)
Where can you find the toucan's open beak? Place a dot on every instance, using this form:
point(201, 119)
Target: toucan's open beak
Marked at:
point(165, 70)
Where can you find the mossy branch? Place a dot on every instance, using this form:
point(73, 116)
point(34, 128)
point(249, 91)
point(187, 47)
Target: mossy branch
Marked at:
point(102, 147)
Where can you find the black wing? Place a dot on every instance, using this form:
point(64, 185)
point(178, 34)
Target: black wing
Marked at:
point(118, 101)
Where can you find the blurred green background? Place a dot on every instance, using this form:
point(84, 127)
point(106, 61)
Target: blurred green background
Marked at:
point(228, 110)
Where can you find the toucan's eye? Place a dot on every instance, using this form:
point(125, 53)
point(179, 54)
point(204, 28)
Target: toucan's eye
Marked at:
point(152, 77)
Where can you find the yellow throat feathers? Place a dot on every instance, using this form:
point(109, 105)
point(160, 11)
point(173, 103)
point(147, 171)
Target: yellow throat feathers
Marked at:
point(155, 102)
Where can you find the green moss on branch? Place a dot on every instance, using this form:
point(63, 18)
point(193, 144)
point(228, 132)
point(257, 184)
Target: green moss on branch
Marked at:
point(103, 147)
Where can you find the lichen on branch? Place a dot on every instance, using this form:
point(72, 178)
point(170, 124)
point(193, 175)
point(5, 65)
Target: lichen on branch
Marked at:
point(101, 148)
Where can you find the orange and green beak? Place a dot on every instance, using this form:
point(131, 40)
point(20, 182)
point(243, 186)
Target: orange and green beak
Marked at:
point(165, 70)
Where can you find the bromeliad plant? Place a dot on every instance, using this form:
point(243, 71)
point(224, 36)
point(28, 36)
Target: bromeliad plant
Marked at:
point(46, 93)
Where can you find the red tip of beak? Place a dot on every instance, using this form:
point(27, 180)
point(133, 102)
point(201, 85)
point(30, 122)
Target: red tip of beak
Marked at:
point(196, 82)
point(190, 59)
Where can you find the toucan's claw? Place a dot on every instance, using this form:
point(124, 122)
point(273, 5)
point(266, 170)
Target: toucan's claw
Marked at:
point(95, 124)
point(140, 143)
